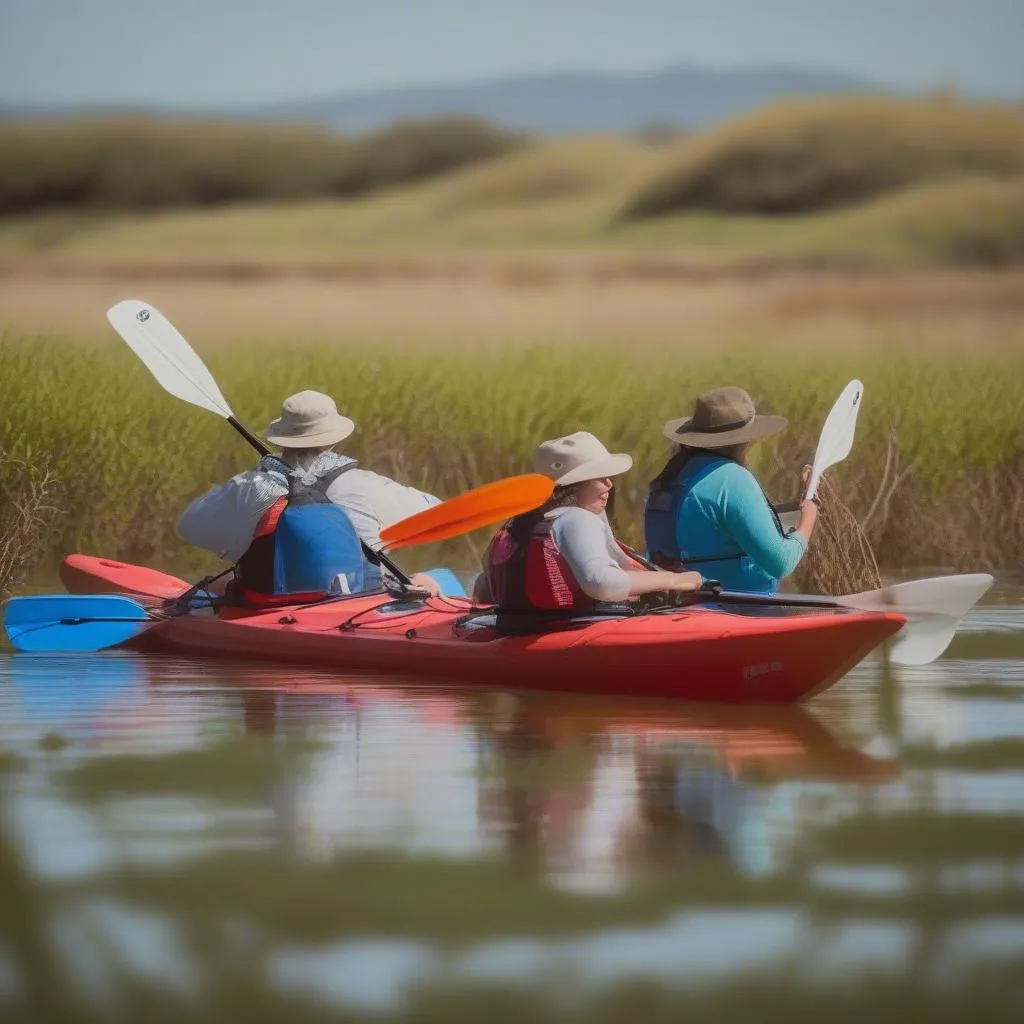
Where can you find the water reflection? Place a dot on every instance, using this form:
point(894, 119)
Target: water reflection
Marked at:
point(593, 794)
point(598, 793)
point(435, 836)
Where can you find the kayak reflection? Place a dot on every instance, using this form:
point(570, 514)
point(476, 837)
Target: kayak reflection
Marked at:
point(592, 792)
point(598, 791)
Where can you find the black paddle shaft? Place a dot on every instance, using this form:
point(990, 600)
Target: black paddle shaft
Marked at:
point(377, 557)
point(712, 589)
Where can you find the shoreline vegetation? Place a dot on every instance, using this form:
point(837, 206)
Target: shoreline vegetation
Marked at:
point(838, 182)
point(465, 292)
point(29, 512)
point(936, 476)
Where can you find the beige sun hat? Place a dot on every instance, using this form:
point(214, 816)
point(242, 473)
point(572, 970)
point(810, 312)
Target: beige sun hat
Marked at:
point(723, 417)
point(578, 457)
point(309, 419)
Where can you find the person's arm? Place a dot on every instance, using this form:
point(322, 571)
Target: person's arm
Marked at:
point(373, 502)
point(650, 582)
point(748, 519)
point(224, 519)
point(581, 540)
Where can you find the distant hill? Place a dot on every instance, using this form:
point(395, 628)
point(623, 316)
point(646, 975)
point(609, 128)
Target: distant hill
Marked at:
point(578, 102)
point(687, 97)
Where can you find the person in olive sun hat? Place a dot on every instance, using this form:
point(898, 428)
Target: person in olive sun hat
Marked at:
point(705, 510)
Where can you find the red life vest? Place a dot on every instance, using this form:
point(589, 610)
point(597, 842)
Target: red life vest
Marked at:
point(527, 573)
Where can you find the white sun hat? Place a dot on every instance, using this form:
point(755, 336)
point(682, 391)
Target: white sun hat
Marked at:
point(309, 419)
point(577, 457)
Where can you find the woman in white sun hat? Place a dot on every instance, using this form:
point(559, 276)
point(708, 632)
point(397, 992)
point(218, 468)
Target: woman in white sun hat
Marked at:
point(238, 520)
point(563, 556)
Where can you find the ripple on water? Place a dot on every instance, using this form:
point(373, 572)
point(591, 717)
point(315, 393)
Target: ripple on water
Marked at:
point(892, 810)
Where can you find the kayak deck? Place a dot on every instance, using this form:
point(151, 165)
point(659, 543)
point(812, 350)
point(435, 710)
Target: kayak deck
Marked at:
point(781, 654)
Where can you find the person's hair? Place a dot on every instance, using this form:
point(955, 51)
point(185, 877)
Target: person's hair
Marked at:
point(569, 496)
point(682, 455)
point(302, 458)
point(561, 497)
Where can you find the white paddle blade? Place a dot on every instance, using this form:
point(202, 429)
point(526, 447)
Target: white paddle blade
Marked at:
point(836, 438)
point(167, 355)
point(933, 609)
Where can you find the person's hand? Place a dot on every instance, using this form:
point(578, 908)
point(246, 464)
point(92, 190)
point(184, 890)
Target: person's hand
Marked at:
point(421, 581)
point(808, 512)
point(683, 582)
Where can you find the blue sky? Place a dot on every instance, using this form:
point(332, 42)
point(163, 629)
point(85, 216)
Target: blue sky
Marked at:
point(215, 52)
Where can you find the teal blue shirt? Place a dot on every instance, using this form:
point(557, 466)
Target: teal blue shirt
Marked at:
point(720, 510)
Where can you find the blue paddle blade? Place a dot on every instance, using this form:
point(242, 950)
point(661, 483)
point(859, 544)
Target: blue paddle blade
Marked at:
point(71, 622)
point(450, 584)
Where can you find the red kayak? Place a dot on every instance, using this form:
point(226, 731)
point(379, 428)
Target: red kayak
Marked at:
point(707, 651)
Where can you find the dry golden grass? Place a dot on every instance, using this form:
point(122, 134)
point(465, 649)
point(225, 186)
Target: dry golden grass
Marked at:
point(27, 515)
point(860, 181)
point(484, 353)
point(808, 155)
point(564, 299)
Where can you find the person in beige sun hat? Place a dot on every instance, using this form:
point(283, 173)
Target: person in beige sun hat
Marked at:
point(227, 518)
point(309, 419)
point(563, 556)
point(706, 509)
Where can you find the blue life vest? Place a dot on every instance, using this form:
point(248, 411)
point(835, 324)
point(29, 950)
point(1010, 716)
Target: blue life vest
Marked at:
point(661, 516)
point(662, 531)
point(301, 544)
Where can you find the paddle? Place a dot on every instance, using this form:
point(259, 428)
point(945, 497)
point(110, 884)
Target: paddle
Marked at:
point(836, 437)
point(932, 607)
point(181, 373)
point(60, 622)
point(490, 503)
point(834, 444)
point(63, 622)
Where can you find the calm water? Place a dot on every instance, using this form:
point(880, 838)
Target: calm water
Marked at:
point(257, 843)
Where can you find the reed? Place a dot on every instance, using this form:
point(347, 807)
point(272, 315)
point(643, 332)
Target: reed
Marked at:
point(936, 475)
point(28, 513)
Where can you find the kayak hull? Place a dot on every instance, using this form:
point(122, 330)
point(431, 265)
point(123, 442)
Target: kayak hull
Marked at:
point(706, 652)
point(698, 653)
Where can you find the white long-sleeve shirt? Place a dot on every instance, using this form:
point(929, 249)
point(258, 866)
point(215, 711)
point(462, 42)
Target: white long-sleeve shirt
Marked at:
point(224, 519)
point(586, 543)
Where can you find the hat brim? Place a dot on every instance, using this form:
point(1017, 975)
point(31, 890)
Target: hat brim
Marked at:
point(339, 429)
point(680, 432)
point(595, 469)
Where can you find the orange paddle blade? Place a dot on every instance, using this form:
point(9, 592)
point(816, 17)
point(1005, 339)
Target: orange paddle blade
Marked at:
point(492, 503)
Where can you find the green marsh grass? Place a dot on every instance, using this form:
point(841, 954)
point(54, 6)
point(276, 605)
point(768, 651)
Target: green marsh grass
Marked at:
point(129, 457)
